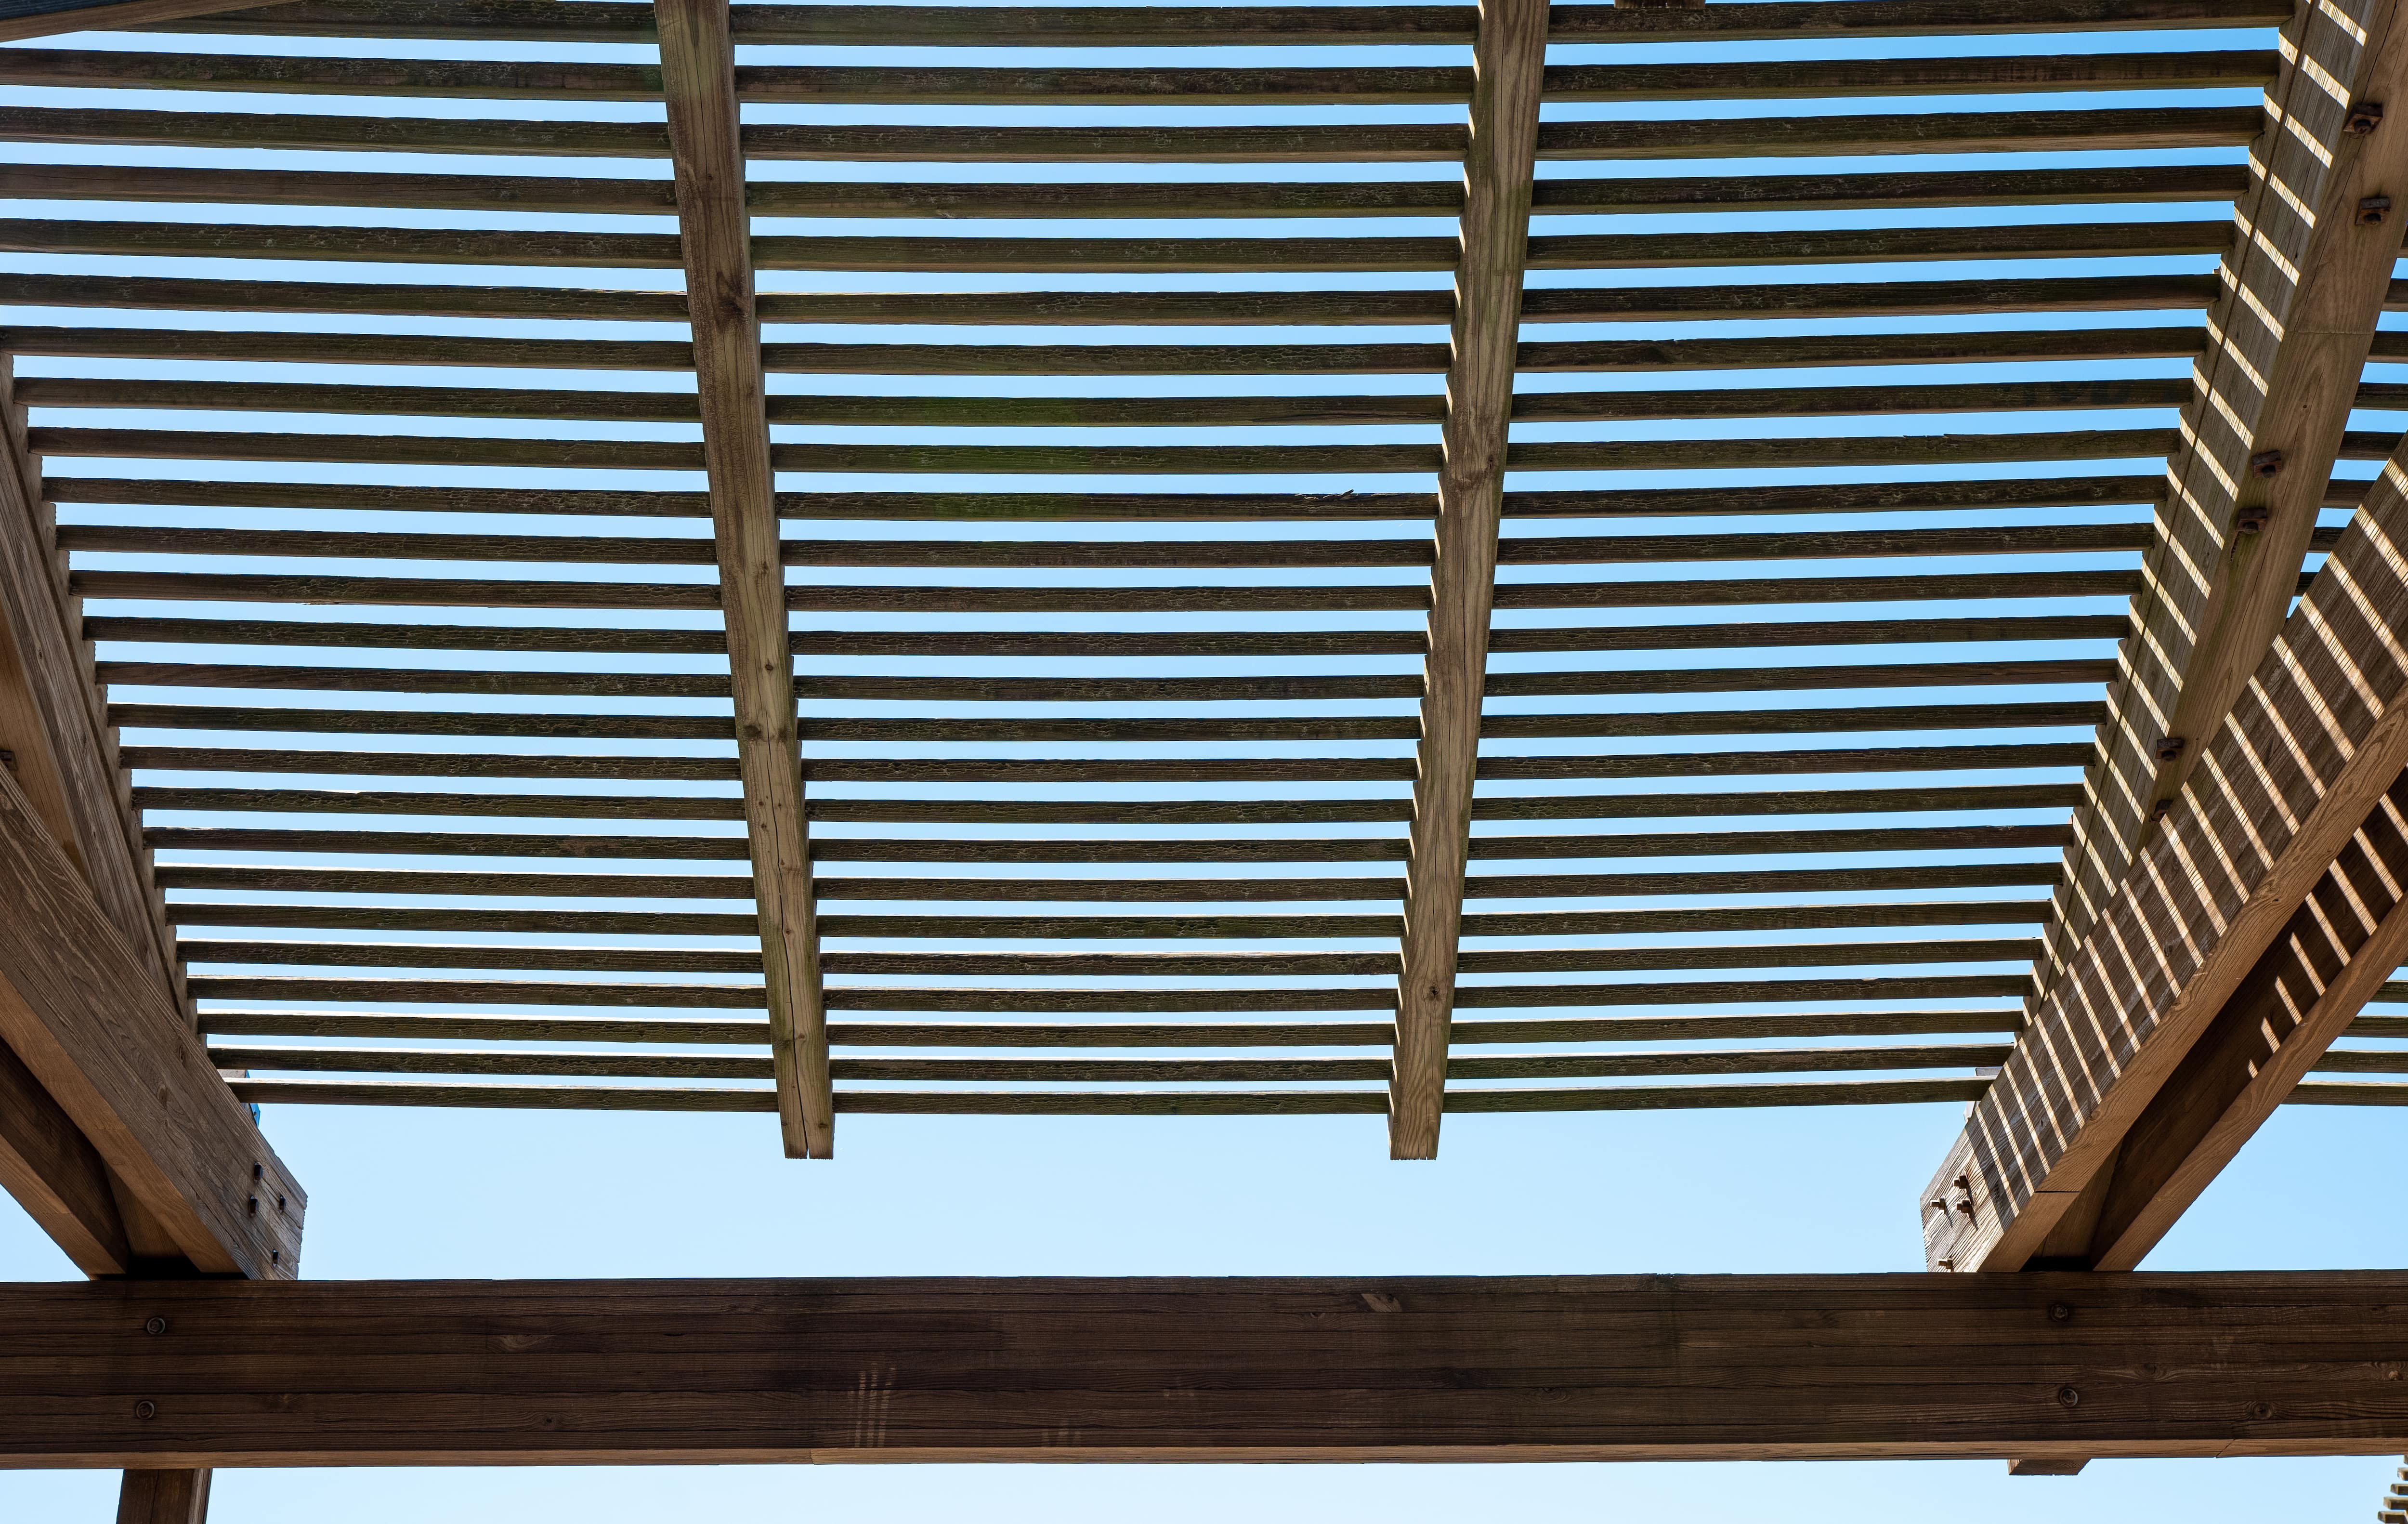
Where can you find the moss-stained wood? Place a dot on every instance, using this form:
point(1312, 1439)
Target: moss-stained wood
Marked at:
point(698, 70)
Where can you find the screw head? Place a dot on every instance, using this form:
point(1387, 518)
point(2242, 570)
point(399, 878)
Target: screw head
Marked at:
point(2068, 1397)
point(2059, 1313)
point(2261, 1411)
point(155, 1325)
point(145, 1409)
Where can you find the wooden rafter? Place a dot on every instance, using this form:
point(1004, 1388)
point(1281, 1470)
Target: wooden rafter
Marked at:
point(23, 19)
point(698, 73)
point(79, 1012)
point(61, 752)
point(2288, 337)
point(901, 1370)
point(1510, 61)
point(2292, 799)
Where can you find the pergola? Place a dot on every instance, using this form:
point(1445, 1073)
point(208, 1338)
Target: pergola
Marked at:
point(1332, 754)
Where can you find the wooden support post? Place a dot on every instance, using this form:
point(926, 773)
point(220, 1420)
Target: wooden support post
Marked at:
point(2294, 803)
point(698, 73)
point(1510, 64)
point(163, 1497)
point(2042, 1368)
point(79, 1012)
point(2288, 338)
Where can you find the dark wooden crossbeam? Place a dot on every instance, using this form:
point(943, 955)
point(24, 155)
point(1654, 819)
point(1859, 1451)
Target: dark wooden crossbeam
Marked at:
point(2039, 1366)
point(1509, 59)
point(21, 18)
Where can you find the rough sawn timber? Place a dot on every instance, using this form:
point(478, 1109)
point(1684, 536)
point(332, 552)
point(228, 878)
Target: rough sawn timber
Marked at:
point(2290, 336)
point(1509, 61)
point(699, 72)
point(1538, 1368)
point(2301, 768)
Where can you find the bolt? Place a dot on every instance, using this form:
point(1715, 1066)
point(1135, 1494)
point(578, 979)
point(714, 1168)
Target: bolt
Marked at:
point(259, 1171)
point(155, 1325)
point(2162, 808)
point(2252, 518)
point(280, 1203)
point(2266, 463)
point(2363, 118)
point(1948, 1264)
point(2059, 1313)
point(276, 1256)
point(1940, 1205)
point(7, 759)
point(1965, 1182)
point(254, 1206)
point(2171, 748)
point(2261, 1411)
point(2068, 1397)
point(1966, 1206)
point(145, 1409)
point(2370, 210)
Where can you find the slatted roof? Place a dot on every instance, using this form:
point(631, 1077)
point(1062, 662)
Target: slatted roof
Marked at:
point(1106, 351)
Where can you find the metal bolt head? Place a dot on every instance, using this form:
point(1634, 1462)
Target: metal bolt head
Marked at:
point(2372, 209)
point(2059, 1312)
point(2252, 518)
point(2171, 748)
point(2261, 1411)
point(2068, 1397)
point(2266, 463)
point(145, 1409)
point(155, 1325)
point(2363, 119)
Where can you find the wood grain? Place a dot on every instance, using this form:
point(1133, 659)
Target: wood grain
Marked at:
point(698, 65)
point(120, 1059)
point(163, 1497)
point(2293, 326)
point(1390, 1368)
point(2319, 738)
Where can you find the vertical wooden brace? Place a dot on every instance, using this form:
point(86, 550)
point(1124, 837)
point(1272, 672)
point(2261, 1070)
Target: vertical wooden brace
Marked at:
point(1509, 63)
point(698, 76)
point(163, 1497)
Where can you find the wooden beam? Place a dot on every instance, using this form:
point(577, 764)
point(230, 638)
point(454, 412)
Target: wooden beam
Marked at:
point(103, 1041)
point(2292, 799)
point(1539, 1368)
point(699, 72)
point(1509, 61)
point(2288, 335)
point(163, 1497)
point(61, 750)
point(49, 18)
point(57, 1176)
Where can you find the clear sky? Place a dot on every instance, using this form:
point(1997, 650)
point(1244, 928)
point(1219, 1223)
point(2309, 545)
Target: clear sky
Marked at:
point(438, 1193)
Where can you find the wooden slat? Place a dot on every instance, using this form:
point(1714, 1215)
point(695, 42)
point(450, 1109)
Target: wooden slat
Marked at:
point(52, 718)
point(1389, 1368)
point(1509, 59)
point(2347, 938)
point(102, 1036)
point(48, 18)
point(698, 68)
point(1171, 26)
point(2318, 740)
point(2291, 334)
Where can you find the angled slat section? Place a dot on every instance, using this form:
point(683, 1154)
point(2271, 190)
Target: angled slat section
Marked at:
point(1510, 61)
point(61, 752)
point(2301, 768)
point(58, 1178)
point(698, 73)
point(2288, 338)
point(105, 1041)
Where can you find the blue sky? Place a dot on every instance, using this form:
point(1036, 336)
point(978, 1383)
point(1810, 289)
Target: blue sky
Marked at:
point(475, 1193)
